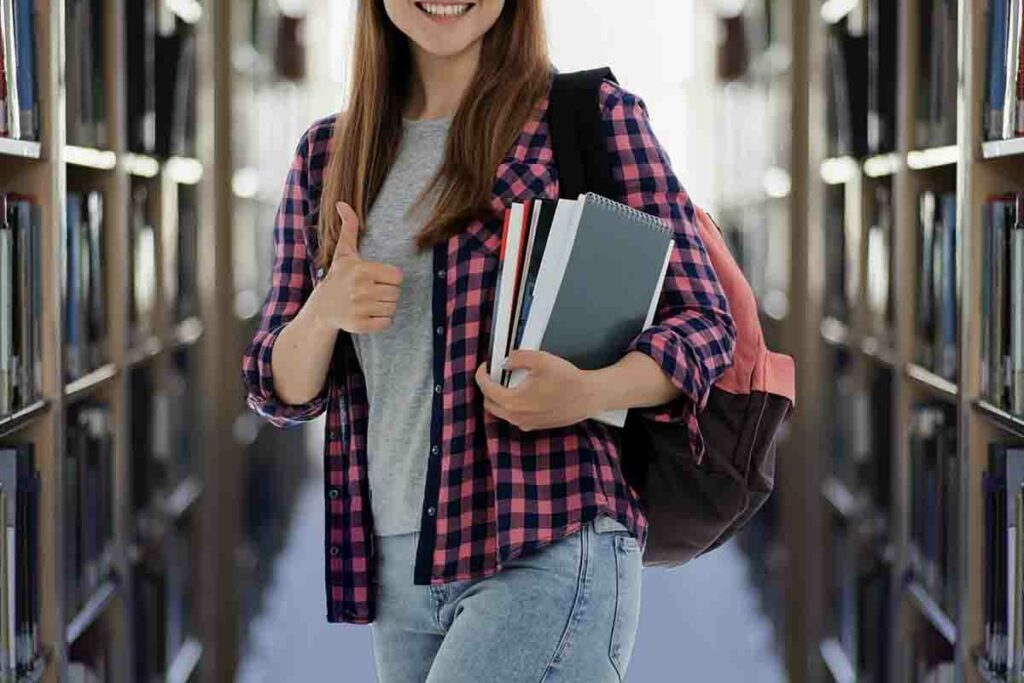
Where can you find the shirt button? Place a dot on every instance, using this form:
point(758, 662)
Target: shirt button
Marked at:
point(333, 493)
point(440, 273)
point(439, 329)
point(335, 551)
point(431, 510)
point(434, 449)
point(437, 388)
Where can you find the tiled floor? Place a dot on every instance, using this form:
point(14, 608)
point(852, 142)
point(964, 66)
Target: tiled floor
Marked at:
point(698, 622)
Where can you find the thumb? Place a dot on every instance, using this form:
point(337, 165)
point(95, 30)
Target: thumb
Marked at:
point(348, 237)
point(522, 359)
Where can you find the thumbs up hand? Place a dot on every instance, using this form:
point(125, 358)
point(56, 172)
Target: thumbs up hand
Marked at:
point(357, 295)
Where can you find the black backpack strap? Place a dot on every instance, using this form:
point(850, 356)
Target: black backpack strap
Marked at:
point(577, 133)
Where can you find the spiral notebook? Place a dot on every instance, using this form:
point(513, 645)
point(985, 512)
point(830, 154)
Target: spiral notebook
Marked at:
point(598, 285)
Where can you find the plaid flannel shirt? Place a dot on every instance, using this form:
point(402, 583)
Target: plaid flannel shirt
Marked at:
point(493, 492)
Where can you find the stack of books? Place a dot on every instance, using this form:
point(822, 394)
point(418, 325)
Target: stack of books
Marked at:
point(1005, 78)
point(86, 302)
point(1002, 303)
point(19, 106)
point(1004, 560)
point(578, 279)
point(89, 502)
point(934, 486)
point(19, 566)
point(937, 284)
point(20, 303)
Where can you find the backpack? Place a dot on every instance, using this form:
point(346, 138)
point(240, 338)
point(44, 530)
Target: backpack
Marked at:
point(691, 507)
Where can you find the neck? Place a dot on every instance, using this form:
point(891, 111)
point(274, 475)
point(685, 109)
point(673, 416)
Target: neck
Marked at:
point(440, 82)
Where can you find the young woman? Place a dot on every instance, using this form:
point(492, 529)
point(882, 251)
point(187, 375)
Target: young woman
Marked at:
point(486, 533)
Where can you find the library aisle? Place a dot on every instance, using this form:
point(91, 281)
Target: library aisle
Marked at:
point(702, 618)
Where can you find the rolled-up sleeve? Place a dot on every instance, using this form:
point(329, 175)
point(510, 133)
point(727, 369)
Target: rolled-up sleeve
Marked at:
point(693, 334)
point(290, 286)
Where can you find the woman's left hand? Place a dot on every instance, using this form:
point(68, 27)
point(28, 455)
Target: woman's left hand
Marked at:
point(554, 393)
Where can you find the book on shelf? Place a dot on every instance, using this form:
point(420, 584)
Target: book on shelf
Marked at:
point(848, 89)
point(873, 591)
point(181, 265)
point(85, 38)
point(935, 116)
point(19, 105)
point(932, 658)
point(876, 472)
point(19, 565)
point(937, 279)
point(163, 605)
point(86, 317)
point(1002, 303)
point(20, 303)
point(90, 658)
point(89, 501)
point(1004, 91)
point(879, 294)
point(595, 288)
point(1003, 609)
point(838, 302)
point(883, 37)
point(933, 501)
point(174, 85)
point(140, 31)
point(142, 282)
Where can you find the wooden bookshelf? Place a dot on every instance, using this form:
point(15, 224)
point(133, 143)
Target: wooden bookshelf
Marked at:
point(974, 170)
point(49, 169)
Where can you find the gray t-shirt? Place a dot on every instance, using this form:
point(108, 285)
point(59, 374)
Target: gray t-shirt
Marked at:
point(397, 361)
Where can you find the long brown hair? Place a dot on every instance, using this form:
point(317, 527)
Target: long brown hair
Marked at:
point(510, 79)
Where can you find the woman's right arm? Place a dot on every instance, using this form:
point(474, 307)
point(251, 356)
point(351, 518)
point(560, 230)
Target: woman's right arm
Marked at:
point(286, 366)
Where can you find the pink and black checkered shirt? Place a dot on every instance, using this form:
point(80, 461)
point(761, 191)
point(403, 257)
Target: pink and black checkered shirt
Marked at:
point(493, 492)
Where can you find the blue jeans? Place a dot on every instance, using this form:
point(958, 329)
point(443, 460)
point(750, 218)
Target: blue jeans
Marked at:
point(566, 613)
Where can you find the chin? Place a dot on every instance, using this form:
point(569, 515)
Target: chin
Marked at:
point(444, 28)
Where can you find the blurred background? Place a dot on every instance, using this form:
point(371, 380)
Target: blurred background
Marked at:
point(864, 158)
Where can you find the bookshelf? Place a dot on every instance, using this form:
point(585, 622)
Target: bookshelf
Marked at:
point(899, 413)
point(141, 616)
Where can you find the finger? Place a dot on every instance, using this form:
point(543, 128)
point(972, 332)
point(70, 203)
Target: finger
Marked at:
point(385, 273)
point(348, 237)
point(382, 292)
point(373, 309)
point(524, 359)
point(493, 390)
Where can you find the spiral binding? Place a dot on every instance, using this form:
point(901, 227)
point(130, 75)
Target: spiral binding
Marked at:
point(628, 211)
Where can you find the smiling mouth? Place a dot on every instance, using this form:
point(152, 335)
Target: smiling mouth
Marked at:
point(438, 10)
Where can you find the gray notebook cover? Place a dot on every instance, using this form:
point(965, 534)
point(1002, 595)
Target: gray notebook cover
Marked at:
point(615, 268)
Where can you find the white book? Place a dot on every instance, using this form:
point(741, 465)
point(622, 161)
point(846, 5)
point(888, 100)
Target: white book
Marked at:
point(504, 298)
point(11, 68)
point(1013, 26)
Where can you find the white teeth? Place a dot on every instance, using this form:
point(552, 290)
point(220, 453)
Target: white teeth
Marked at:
point(444, 10)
